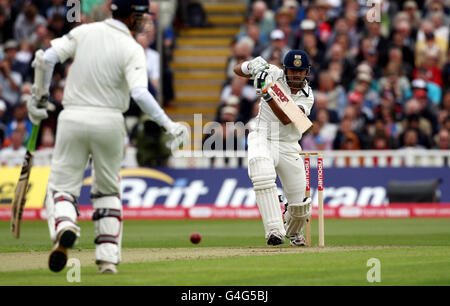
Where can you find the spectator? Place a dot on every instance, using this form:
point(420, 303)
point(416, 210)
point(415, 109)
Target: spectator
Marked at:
point(240, 88)
point(345, 127)
point(297, 12)
point(382, 130)
point(410, 7)
point(263, 17)
point(230, 101)
point(322, 20)
point(101, 12)
point(284, 20)
point(145, 39)
point(19, 57)
point(363, 117)
point(434, 92)
point(443, 140)
point(57, 25)
point(6, 26)
point(429, 47)
point(57, 7)
point(337, 98)
point(328, 130)
point(10, 82)
point(47, 141)
point(336, 54)
point(254, 33)
point(380, 142)
point(13, 155)
point(351, 142)
point(370, 97)
point(397, 40)
point(277, 43)
point(225, 135)
point(410, 140)
point(413, 122)
point(27, 22)
point(394, 78)
point(313, 141)
point(20, 117)
point(168, 44)
point(389, 104)
point(395, 56)
point(321, 103)
point(341, 27)
point(241, 52)
point(431, 68)
point(413, 112)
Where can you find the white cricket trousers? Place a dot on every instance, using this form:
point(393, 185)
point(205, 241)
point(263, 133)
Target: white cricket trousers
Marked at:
point(98, 133)
point(267, 159)
point(84, 132)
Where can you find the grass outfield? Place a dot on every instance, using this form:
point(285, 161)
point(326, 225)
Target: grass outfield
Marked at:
point(233, 252)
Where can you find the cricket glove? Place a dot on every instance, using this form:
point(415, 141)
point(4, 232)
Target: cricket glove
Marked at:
point(178, 132)
point(37, 108)
point(256, 65)
point(261, 84)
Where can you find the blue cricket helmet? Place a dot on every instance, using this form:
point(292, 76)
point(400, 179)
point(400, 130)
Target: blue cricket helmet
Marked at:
point(124, 8)
point(296, 60)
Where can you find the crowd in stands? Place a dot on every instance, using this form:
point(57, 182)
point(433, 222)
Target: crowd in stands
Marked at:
point(380, 74)
point(26, 26)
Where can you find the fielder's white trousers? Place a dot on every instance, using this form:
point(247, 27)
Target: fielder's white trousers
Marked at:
point(82, 133)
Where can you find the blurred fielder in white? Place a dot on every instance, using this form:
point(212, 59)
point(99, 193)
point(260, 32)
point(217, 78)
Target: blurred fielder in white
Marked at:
point(108, 66)
point(273, 147)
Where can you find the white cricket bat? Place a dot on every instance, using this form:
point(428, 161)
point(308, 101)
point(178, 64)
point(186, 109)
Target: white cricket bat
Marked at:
point(288, 106)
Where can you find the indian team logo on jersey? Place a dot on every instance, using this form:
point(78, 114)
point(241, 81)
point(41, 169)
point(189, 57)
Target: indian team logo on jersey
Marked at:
point(298, 60)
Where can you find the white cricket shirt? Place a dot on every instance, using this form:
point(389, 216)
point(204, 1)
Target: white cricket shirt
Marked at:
point(108, 64)
point(266, 117)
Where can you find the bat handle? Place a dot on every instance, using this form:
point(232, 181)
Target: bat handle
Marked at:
point(31, 146)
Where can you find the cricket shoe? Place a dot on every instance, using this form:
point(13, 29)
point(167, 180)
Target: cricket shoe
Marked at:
point(58, 256)
point(105, 267)
point(297, 240)
point(275, 238)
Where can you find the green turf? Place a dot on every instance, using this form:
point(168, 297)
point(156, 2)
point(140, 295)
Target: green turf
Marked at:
point(420, 254)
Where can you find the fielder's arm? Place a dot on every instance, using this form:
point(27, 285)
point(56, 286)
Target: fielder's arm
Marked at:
point(150, 106)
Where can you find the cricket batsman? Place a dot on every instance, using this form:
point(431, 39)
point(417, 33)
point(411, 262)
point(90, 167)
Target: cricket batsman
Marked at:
point(108, 66)
point(273, 147)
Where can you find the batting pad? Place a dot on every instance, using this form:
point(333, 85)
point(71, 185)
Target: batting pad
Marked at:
point(296, 216)
point(263, 175)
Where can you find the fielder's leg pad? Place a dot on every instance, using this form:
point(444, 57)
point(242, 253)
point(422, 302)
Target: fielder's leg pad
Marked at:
point(296, 216)
point(262, 173)
point(65, 213)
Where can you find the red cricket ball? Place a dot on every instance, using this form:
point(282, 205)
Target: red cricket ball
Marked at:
point(195, 238)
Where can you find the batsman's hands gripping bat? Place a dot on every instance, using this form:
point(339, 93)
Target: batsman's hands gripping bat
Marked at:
point(261, 83)
point(37, 104)
point(37, 111)
point(257, 65)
